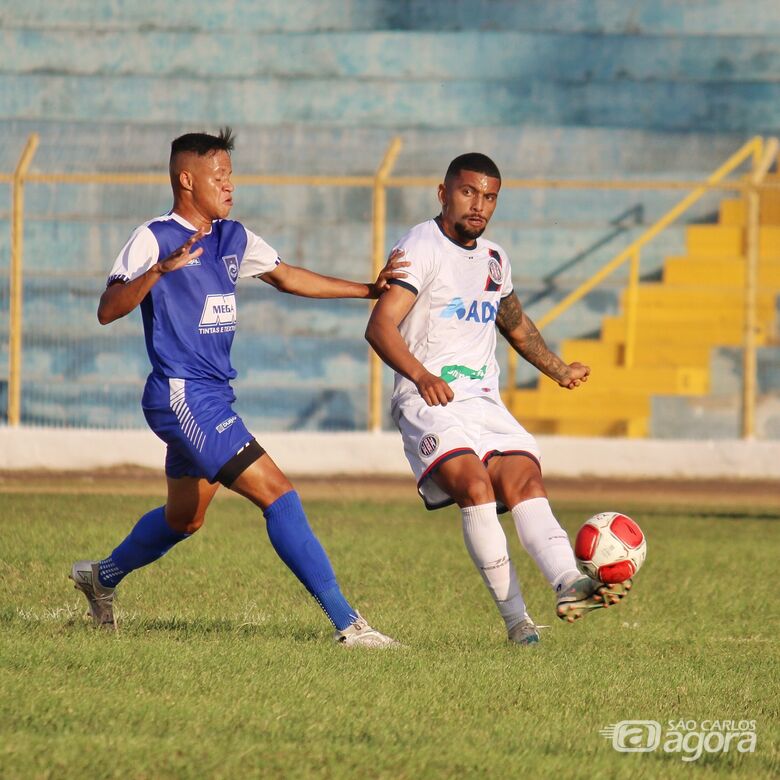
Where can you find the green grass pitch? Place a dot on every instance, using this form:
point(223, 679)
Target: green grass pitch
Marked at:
point(223, 667)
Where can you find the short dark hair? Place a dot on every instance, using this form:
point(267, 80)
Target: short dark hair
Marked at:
point(203, 143)
point(472, 161)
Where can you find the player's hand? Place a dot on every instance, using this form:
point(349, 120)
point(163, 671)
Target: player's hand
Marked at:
point(434, 390)
point(390, 271)
point(183, 255)
point(575, 376)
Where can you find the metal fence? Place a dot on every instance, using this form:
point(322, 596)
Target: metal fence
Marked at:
point(56, 376)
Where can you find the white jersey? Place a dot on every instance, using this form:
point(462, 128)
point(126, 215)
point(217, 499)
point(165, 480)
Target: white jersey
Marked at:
point(450, 328)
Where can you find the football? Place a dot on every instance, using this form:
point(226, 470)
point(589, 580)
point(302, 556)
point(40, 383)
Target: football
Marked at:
point(610, 547)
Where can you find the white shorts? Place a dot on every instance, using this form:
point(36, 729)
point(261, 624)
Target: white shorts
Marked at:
point(434, 434)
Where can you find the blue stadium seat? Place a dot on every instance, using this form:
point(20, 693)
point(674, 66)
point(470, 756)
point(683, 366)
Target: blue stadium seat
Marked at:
point(599, 89)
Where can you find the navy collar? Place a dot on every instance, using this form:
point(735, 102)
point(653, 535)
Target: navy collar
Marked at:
point(470, 247)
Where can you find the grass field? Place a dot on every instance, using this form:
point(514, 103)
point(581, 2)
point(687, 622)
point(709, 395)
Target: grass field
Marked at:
point(223, 667)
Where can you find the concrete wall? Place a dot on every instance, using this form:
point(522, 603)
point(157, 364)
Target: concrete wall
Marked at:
point(598, 88)
point(318, 454)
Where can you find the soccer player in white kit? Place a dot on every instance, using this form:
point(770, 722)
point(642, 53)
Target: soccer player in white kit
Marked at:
point(436, 328)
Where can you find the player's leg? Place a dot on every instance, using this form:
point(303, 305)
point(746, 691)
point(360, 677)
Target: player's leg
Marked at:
point(466, 480)
point(153, 535)
point(183, 418)
point(159, 530)
point(263, 483)
point(517, 480)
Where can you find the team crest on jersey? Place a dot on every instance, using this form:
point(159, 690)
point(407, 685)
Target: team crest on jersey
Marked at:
point(429, 444)
point(231, 265)
point(495, 271)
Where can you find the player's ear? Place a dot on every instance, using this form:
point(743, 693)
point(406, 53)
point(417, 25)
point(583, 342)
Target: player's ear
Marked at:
point(185, 180)
point(442, 195)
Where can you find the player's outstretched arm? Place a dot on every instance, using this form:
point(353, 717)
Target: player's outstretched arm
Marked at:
point(519, 330)
point(383, 335)
point(121, 298)
point(308, 284)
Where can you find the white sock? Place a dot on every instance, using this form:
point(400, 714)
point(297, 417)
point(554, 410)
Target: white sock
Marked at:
point(546, 542)
point(486, 543)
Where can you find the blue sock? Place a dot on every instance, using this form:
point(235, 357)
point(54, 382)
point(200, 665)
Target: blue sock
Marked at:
point(149, 540)
point(296, 544)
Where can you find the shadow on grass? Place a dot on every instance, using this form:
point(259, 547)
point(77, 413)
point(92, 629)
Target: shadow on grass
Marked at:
point(69, 619)
point(201, 626)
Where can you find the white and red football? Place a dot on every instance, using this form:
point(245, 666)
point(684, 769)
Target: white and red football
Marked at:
point(610, 547)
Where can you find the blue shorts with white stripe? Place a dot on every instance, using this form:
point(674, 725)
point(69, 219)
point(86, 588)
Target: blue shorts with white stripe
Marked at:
point(196, 420)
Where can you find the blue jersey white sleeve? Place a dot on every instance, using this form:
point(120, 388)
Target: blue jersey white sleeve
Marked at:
point(190, 315)
point(259, 257)
point(138, 255)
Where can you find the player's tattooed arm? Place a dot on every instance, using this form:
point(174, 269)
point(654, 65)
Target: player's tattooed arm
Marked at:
point(510, 315)
point(519, 330)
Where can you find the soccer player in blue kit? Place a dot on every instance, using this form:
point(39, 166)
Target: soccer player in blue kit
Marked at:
point(182, 269)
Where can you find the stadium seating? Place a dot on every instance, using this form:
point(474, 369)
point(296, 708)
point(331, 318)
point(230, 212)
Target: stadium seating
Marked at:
point(602, 89)
point(681, 321)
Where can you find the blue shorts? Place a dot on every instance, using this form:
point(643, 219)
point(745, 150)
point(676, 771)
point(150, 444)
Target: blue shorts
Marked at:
point(197, 422)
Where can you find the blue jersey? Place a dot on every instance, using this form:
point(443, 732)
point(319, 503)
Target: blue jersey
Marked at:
point(190, 314)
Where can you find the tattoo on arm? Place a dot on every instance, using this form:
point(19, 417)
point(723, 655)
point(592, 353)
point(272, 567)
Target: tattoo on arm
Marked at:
point(519, 330)
point(510, 314)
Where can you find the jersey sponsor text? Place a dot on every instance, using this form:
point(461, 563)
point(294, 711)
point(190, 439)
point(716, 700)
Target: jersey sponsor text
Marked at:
point(453, 372)
point(225, 424)
point(219, 314)
point(478, 311)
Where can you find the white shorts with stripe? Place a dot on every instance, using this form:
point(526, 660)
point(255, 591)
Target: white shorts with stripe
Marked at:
point(434, 434)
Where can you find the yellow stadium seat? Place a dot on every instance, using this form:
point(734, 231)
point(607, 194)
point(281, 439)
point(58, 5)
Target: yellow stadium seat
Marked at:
point(697, 307)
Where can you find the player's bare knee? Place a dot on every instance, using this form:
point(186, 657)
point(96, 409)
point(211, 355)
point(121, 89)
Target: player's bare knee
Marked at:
point(520, 487)
point(186, 523)
point(532, 487)
point(474, 491)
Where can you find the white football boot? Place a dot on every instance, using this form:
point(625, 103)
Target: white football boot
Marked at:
point(524, 633)
point(100, 599)
point(360, 634)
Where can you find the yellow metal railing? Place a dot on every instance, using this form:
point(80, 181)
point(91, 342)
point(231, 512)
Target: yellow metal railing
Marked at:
point(761, 166)
point(379, 240)
point(16, 281)
point(378, 184)
point(762, 154)
point(750, 148)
